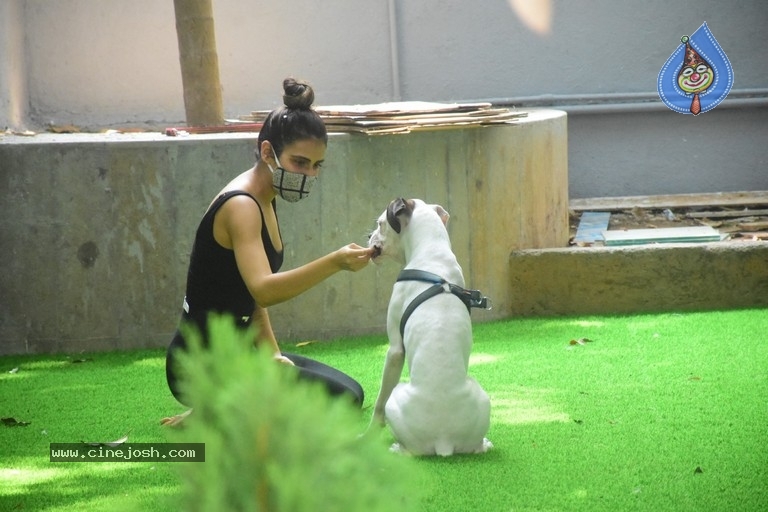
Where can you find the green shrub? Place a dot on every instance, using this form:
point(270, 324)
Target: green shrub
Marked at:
point(273, 443)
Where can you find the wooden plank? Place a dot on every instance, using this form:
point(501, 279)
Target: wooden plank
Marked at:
point(671, 201)
point(755, 236)
point(591, 227)
point(398, 117)
point(661, 235)
point(726, 214)
point(384, 130)
point(392, 116)
point(378, 127)
point(392, 108)
point(421, 120)
point(387, 109)
point(753, 226)
point(227, 128)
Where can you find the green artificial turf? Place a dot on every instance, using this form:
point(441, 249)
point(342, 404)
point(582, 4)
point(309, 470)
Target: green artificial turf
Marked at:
point(656, 412)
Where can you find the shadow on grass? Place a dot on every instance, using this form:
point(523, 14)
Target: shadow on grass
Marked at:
point(43, 485)
point(84, 397)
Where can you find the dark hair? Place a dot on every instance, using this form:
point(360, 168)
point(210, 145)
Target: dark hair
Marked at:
point(295, 120)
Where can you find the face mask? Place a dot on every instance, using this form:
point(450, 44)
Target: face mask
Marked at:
point(291, 186)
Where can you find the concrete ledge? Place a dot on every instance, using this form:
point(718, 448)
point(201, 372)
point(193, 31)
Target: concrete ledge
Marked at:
point(97, 229)
point(649, 278)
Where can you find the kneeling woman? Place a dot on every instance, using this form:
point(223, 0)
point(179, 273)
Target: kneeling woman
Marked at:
point(238, 249)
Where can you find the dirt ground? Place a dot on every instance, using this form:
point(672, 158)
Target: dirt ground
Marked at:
point(739, 223)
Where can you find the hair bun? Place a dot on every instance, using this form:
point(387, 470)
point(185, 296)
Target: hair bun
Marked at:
point(298, 94)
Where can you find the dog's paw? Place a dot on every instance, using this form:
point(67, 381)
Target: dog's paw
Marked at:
point(487, 445)
point(396, 448)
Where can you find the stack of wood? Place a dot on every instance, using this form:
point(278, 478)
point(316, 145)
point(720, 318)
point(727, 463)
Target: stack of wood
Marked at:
point(670, 218)
point(745, 224)
point(404, 117)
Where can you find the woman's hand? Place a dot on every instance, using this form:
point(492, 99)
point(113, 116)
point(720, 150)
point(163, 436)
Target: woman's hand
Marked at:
point(353, 257)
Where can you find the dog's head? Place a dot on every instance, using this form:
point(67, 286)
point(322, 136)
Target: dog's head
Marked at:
point(392, 224)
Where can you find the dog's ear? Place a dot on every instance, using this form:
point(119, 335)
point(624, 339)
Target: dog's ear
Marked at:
point(396, 208)
point(444, 216)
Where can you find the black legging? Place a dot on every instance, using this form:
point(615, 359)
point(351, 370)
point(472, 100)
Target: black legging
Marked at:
point(336, 382)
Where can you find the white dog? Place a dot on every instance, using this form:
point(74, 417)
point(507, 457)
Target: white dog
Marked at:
point(441, 410)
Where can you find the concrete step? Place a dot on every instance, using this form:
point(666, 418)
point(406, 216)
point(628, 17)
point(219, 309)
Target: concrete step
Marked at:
point(636, 279)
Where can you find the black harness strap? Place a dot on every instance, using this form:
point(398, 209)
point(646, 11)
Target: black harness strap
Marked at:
point(470, 298)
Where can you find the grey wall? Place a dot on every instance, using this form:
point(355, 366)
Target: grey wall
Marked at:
point(457, 49)
point(648, 153)
point(94, 63)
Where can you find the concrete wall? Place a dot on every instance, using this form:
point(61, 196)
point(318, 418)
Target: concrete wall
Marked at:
point(94, 63)
point(96, 230)
point(648, 278)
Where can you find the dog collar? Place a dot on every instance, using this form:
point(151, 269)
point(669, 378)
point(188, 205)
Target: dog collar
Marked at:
point(470, 298)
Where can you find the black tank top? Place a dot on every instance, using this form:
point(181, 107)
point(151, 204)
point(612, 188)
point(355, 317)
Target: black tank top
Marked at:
point(214, 283)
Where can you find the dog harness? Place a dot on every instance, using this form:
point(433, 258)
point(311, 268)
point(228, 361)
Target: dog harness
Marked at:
point(470, 298)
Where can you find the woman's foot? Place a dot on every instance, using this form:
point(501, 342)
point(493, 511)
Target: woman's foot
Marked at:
point(175, 421)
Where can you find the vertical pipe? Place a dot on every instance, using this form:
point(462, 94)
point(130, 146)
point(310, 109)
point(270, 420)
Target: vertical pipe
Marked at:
point(394, 51)
point(14, 93)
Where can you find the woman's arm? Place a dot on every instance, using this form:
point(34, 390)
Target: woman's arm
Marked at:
point(270, 289)
point(242, 223)
point(265, 335)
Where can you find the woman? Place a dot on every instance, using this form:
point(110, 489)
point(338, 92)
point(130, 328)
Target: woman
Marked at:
point(238, 249)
